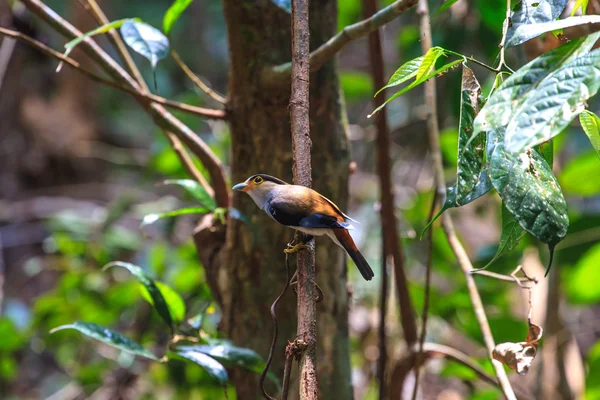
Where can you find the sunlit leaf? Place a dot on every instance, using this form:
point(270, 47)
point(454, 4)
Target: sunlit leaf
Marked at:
point(579, 176)
point(580, 4)
point(530, 191)
point(158, 301)
point(447, 4)
point(501, 106)
point(173, 14)
point(214, 368)
point(196, 190)
point(591, 126)
point(581, 283)
point(510, 237)
point(406, 71)
point(145, 40)
point(174, 301)
point(527, 17)
point(429, 61)
point(284, 5)
point(109, 337)
point(152, 218)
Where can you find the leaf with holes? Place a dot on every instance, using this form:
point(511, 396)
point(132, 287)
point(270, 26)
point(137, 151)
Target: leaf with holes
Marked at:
point(173, 14)
point(158, 301)
point(470, 153)
point(407, 71)
point(214, 368)
point(530, 191)
point(174, 301)
point(152, 218)
point(196, 190)
point(108, 336)
point(145, 40)
point(591, 126)
point(502, 104)
point(510, 237)
point(528, 15)
point(557, 99)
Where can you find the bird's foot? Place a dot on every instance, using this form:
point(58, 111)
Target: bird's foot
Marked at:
point(294, 248)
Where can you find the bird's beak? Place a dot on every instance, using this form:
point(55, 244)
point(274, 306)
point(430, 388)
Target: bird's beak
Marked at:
point(242, 187)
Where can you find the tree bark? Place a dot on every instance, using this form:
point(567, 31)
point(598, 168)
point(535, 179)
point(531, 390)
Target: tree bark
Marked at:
point(247, 271)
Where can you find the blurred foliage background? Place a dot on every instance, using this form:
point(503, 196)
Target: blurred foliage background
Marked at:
point(78, 172)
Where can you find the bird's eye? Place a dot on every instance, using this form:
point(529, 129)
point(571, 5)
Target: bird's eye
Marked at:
point(258, 180)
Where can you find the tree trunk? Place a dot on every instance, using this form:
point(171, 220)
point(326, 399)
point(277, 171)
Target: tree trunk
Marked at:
point(247, 271)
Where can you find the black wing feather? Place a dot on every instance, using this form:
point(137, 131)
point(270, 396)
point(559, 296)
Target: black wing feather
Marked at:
point(289, 216)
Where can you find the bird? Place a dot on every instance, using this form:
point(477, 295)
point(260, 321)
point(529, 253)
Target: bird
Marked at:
point(305, 210)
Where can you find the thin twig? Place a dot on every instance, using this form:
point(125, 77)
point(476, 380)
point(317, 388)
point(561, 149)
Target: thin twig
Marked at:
point(457, 248)
point(265, 371)
point(197, 81)
point(419, 358)
point(163, 118)
point(201, 111)
point(302, 173)
point(508, 278)
point(277, 76)
point(502, 46)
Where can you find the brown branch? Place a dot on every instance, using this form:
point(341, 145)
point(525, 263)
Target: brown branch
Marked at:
point(188, 162)
point(457, 248)
point(162, 117)
point(200, 111)
point(197, 81)
point(419, 358)
point(302, 172)
point(277, 76)
point(391, 243)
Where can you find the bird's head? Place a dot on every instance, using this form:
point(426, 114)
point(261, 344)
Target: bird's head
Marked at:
point(259, 187)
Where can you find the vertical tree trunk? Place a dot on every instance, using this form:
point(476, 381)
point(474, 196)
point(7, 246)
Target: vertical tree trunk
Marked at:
point(246, 272)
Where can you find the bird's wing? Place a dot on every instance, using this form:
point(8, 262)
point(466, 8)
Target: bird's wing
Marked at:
point(335, 207)
point(303, 207)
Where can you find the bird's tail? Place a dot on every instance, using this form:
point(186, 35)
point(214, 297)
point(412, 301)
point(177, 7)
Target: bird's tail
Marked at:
point(347, 243)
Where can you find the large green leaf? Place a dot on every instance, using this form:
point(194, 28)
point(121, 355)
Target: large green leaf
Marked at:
point(173, 14)
point(527, 32)
point(174, 301)
point(501, 106)
point(158, 301)
point(152, 218)
point(470, 180)
point(591, 126)
point(510, 237)
point(145, 40)
point(406, 71)
point(109, 337)
point(212, 366)
point(528, 15)
point(530, 191)
point(196, 190)
point(580, 176)
point(557, 99)
point(581, 283)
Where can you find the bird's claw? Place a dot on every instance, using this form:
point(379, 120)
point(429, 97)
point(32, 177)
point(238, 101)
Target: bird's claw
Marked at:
point(294, 248)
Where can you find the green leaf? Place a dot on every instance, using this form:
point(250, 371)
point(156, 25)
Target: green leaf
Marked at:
point(447, 4)
point(450, 202)
point(152, 218)
point(173, 14)
point(591, 126)
point(470, 155)
point(527, 32)
point(581, 283)
point(109, 337)
point(284, 5)
point(429, 61)
point(214, 368)
point(174, 301)
point(530, 191)
point(510, 237)
point(579, 176)
point(580, 4)
point(530, 14)
point(557, 99)
point(145, 40)
point(407, 71)
point(196, 190)
point(158, 301)
point(546, 150)
point(417, 83)
point(502, 104)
